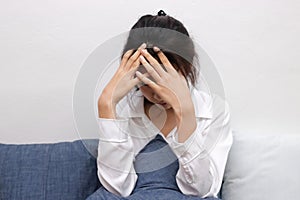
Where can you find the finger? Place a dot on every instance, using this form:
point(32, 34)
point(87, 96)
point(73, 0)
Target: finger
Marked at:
point(146, 80)
point(135, 81)
point(150, 69)
point(134, 69)
point(125, 57)
point(141, 83)
point(136, 64)
point(138, 82)
point(153, 62)
point(164, 60)
point(134, 57)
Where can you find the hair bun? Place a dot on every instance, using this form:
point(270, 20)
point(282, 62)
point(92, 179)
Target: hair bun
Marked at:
point(161, 13)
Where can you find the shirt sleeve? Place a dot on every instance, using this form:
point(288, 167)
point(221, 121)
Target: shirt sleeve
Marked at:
point(115, 156)
point(202, 157)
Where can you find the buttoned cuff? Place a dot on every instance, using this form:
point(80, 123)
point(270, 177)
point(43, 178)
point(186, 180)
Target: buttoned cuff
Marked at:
point(191, 148)
point(113, 130)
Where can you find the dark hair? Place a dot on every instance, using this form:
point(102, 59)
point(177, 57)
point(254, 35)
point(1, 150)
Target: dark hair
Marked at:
point(171, 37)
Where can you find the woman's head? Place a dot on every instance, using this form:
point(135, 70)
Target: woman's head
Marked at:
point(171, 37)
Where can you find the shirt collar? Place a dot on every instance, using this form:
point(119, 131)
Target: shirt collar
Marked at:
point(132, 105)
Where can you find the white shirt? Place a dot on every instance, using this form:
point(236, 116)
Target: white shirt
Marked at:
point(202, 157)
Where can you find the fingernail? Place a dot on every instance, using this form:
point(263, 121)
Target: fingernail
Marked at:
point(142, 58)
point(144, 50)
point(143, 46)
point(156, 49)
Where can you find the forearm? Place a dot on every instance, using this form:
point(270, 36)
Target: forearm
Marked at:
point(115, 167)
point(115, 156)
point(106, 107)
point(186, 121)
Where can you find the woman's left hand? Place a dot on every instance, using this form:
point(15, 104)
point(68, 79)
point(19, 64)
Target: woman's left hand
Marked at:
point(172, 87)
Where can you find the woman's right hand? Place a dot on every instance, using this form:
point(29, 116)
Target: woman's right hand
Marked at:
point(120, 84)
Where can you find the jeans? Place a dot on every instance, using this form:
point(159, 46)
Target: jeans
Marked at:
point(157, 184)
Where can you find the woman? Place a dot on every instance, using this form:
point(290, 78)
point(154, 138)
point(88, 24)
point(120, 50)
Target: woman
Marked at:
point(165, 139)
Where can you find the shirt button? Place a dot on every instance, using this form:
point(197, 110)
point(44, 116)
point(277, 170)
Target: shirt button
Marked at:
point(189, 179)
point(184, 159)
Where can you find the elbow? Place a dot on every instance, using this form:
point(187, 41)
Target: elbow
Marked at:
point(198, 187)
point(121, 185)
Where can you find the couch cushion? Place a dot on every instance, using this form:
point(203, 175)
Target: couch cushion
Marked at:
point(262, 167)
point(63, 170)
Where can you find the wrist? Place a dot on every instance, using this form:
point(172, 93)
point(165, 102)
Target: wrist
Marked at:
point(181, 108)
point(186, 121)
point(184, 113)
point(106, 110)
point(106, 107)
point(106, 98)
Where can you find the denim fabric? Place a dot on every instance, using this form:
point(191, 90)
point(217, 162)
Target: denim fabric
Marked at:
point(63, 170)
point(152, 184)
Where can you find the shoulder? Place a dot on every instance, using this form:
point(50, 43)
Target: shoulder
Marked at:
point(209, 105)
point(217, 125)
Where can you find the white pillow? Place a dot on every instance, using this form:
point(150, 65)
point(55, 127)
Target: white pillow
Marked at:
point(263, 167)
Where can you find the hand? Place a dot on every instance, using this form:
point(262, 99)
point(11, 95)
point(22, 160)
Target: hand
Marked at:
point(169, 84)
point(172, 87)
point(120, 84)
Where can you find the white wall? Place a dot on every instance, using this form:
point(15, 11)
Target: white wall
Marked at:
point(254, 44)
